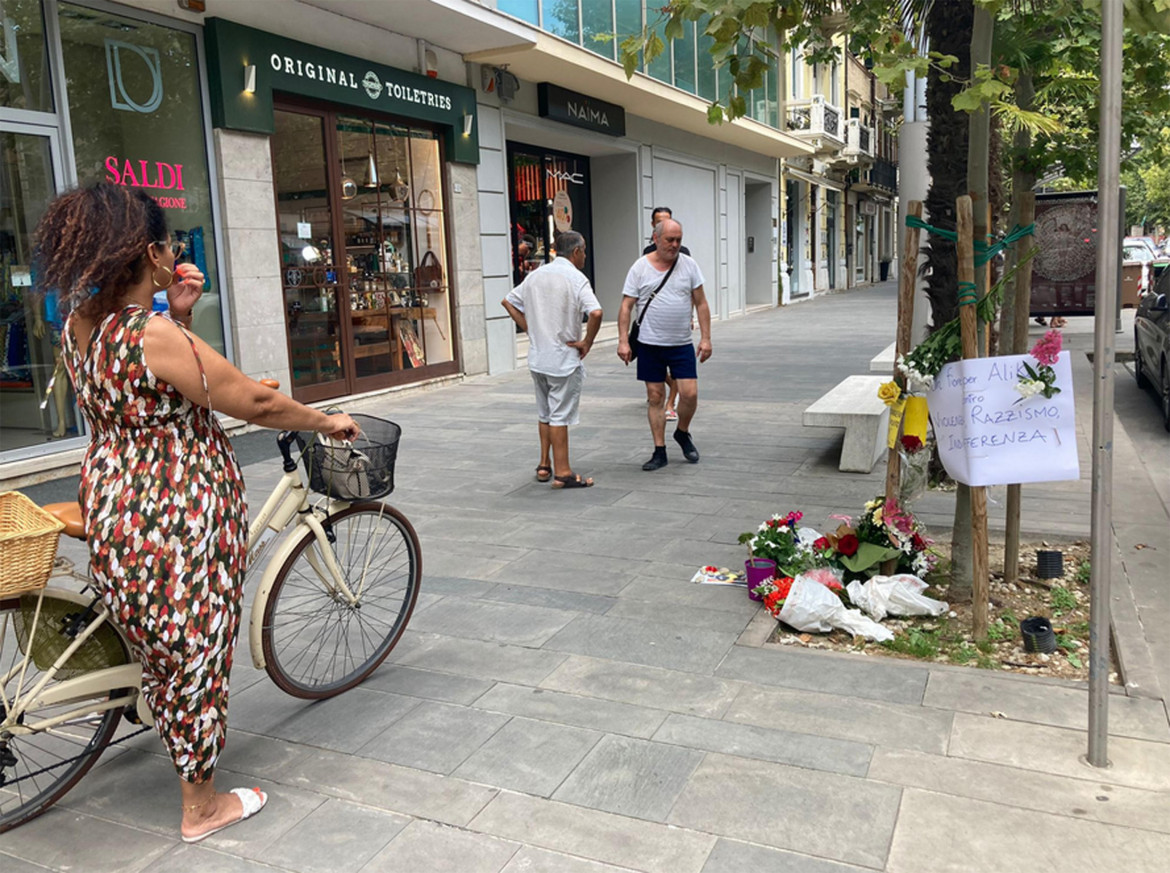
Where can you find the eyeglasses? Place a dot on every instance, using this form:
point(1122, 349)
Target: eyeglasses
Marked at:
point(177, 248)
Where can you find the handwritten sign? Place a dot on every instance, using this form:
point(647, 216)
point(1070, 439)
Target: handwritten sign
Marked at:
point(988, 434)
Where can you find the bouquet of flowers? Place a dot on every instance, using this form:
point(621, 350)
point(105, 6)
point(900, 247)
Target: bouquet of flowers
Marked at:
point(777, 538)
point(775, 592)
point(889, 529)
point(1042, 379)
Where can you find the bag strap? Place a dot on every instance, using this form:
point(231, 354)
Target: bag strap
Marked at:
point(656, 290)
point(198, 360)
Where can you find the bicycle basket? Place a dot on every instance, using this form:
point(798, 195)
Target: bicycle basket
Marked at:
point(357, 471)
point(28, 544)
point(51, 636)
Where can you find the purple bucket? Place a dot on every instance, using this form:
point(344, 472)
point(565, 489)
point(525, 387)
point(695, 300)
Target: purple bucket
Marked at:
point(759, 571)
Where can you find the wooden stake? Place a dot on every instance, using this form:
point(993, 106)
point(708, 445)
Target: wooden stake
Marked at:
point(1019, 345)
point(969, 336)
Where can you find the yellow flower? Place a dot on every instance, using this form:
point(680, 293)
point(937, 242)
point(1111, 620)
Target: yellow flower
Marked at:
point(889, 392)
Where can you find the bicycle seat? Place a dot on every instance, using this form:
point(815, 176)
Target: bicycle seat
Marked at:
point(68, 514)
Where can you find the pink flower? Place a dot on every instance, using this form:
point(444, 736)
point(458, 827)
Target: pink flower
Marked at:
point(1047, 348)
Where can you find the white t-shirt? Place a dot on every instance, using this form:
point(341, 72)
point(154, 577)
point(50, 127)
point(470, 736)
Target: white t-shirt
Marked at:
point(668, 321)
point(553, 297)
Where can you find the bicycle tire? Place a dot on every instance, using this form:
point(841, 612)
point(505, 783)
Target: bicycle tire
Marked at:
point(70, 750)
point(315, 644)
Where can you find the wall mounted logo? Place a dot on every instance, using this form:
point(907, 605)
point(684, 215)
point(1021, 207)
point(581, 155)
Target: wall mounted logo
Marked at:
point(10, 60)
point(372, 84)
point(125, 61)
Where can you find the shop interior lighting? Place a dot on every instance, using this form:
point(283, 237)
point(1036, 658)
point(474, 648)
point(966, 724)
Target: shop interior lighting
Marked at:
point(468, 121)
point(371, 166)
point(249, 78)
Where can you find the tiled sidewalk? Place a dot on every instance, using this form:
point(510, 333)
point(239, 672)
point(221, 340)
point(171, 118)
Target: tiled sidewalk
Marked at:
point(566, 701)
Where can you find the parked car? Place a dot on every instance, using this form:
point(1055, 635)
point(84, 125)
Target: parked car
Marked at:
point(1151, 343)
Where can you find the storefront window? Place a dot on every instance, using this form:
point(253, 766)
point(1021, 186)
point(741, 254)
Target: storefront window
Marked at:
point(364, 251)
point(30, 322)
point(550, 194)
point(137, 118)
point(24, 63)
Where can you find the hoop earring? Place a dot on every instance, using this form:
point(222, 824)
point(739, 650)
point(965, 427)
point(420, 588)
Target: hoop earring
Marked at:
point(170, 277)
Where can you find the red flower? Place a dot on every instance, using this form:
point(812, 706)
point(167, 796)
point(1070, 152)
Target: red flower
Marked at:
point(783, 586)
point(821, 543)
point(847, 545)
point(911, 443)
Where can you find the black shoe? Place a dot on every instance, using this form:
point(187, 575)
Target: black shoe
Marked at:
point(657, 460)
point(688, 446)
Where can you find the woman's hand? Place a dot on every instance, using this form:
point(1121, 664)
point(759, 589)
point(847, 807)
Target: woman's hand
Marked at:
point(185, 290)
point(340, 426)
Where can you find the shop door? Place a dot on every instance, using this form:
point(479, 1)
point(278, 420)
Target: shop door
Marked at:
point(550, 193)
point(831, 233)
point(363, 252)
point(30, 321)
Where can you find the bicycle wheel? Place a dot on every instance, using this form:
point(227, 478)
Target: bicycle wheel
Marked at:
point(37, 769)
point(316, 643)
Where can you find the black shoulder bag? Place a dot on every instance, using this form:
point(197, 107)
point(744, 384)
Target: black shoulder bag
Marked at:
point(636, 327)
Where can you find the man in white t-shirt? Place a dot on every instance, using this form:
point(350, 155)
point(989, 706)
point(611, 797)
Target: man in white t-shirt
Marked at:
point(548, 305)
point(664, 339)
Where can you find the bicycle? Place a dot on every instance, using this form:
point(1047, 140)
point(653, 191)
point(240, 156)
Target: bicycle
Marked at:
point(333, 600)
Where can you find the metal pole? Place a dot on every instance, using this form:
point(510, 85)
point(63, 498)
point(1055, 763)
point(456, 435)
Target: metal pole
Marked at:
point(1108, 253)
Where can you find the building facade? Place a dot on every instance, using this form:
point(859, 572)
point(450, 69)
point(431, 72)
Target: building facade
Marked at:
point(354, 178)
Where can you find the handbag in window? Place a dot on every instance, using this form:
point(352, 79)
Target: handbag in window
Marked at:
point(428, 275)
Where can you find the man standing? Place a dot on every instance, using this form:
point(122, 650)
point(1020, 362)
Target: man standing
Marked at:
point(548, 305)
point(664, 340)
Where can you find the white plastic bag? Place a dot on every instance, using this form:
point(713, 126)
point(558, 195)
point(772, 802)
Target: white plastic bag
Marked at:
point(810, 606)
point(880, 596)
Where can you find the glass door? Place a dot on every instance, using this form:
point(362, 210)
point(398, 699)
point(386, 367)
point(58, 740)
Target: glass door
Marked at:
point(31, 416)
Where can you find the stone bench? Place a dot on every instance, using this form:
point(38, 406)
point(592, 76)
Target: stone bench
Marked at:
point(854, 405)
point(883, 361)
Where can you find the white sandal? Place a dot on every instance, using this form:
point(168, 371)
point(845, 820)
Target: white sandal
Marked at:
point(252, 800)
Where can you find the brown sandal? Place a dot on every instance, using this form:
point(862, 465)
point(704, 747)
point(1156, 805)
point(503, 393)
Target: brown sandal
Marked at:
point(571, 481)
point(543, 473)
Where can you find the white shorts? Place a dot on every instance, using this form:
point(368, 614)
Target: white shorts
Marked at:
point(557, 397)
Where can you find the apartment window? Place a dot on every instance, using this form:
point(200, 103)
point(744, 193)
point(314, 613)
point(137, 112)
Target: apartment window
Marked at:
point(561, 18)
point(597, 20)
point(24, 78)
point(525, 10)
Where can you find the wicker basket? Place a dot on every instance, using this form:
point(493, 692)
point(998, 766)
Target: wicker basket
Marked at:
point(28, 544)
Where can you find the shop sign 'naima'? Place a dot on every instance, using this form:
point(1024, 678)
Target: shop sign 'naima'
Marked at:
point(580, 110)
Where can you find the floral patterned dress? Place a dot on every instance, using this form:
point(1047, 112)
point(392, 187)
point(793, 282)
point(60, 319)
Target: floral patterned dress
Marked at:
point(163, 501)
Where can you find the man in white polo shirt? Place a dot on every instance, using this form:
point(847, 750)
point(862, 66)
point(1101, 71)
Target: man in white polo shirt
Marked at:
point(548, 305)
point(661, 288)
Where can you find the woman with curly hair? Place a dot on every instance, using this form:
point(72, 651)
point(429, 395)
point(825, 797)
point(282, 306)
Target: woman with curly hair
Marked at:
point(161, 492)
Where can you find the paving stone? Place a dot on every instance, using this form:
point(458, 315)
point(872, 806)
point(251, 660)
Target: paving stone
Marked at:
point(434, 736)
point(1042, 792)
point(655, 645)
point(342, 723)
point(529, 756)
point(844, 675)
point(681, 591)
point(475, 658)
point(337, 837)
point(766, 744)
point(565, 571)
point(644, 686)
point(391, 787)
point(454, 585)
point(570, 709)
point(652, 613)
point(820, 814)
point(425, 845)
point(865, 721)
point(426, 684)
point(570, 600)
point(938, 833)
point(512, 623)
point(92, 844)
point(1136, 763)
point(630, 777)
point(185, 859)
point(467, 560)
point(1038, 703)
point(731, 856)
point(530, 860)
point(589, 833)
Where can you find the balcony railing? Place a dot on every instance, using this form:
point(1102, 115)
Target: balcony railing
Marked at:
point(884, 174)
point(816, 120)
point(858, 140)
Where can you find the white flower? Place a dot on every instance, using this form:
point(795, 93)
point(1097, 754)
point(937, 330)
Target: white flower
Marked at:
point(1029, 387)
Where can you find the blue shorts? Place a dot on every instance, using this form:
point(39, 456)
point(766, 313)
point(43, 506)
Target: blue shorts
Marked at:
point(654, 361)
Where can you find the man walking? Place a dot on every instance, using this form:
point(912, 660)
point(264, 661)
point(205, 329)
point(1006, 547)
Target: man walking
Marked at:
point(662, 287)
point(548, 305)
point(657, 214)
